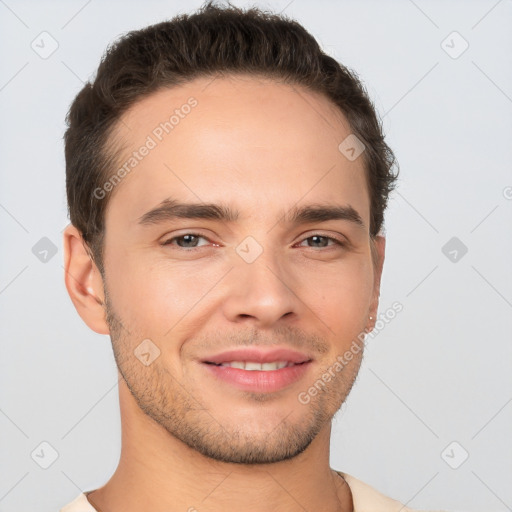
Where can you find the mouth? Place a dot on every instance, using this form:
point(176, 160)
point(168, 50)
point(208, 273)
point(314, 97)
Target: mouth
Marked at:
point(255, 366)
point(258, 371)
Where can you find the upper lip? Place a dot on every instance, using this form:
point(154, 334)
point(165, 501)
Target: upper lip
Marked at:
point(258, 355)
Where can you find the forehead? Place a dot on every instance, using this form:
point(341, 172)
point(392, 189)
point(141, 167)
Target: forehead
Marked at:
point(235, 139)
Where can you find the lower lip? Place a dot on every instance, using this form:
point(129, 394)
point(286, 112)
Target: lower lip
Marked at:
point(259, 381)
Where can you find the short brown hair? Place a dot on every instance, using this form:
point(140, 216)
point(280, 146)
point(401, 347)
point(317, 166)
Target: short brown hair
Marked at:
point(210, 41)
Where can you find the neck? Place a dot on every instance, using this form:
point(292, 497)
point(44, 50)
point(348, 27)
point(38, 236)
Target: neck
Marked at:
point(156, 471)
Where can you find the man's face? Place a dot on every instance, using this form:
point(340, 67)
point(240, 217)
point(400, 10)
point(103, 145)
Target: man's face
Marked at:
point(199, 288)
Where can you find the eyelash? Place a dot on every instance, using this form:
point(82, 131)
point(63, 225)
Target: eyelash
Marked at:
point(168, 242)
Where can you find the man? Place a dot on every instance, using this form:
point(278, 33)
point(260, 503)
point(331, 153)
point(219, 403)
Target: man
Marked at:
point(226, 183)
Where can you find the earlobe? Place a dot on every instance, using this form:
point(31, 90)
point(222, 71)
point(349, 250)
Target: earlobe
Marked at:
point(83, 281)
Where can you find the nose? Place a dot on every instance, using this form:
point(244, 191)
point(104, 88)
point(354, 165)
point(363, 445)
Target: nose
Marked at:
point(261, 292)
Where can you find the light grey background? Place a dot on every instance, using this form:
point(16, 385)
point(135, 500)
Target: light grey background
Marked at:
point(439, 372)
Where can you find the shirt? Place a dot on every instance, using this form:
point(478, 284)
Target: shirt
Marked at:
point(364, 497)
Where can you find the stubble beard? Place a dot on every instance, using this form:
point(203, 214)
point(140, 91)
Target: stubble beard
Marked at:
point(185, 417)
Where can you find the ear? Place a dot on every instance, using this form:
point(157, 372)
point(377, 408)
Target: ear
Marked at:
point(83, 281)
point(378, 249)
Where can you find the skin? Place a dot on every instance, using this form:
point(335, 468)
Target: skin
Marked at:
point(190, 441)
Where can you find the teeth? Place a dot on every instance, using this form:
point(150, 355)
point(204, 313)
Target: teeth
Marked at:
point(250, 365)
point(253, 366)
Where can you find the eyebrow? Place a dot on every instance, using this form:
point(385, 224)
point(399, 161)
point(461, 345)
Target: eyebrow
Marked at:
point(171, 209)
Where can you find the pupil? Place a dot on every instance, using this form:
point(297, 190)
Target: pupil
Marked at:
point(317, 238)
point(188, 238)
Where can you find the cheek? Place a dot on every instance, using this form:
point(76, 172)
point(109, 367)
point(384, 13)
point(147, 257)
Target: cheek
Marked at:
point(340, 295)
point(153, 298)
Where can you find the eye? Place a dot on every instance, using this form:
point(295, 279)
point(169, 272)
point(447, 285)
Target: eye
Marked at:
point(323, 241)
point(186, 241)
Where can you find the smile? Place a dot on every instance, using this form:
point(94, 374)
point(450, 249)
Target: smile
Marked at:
point(254, 366)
